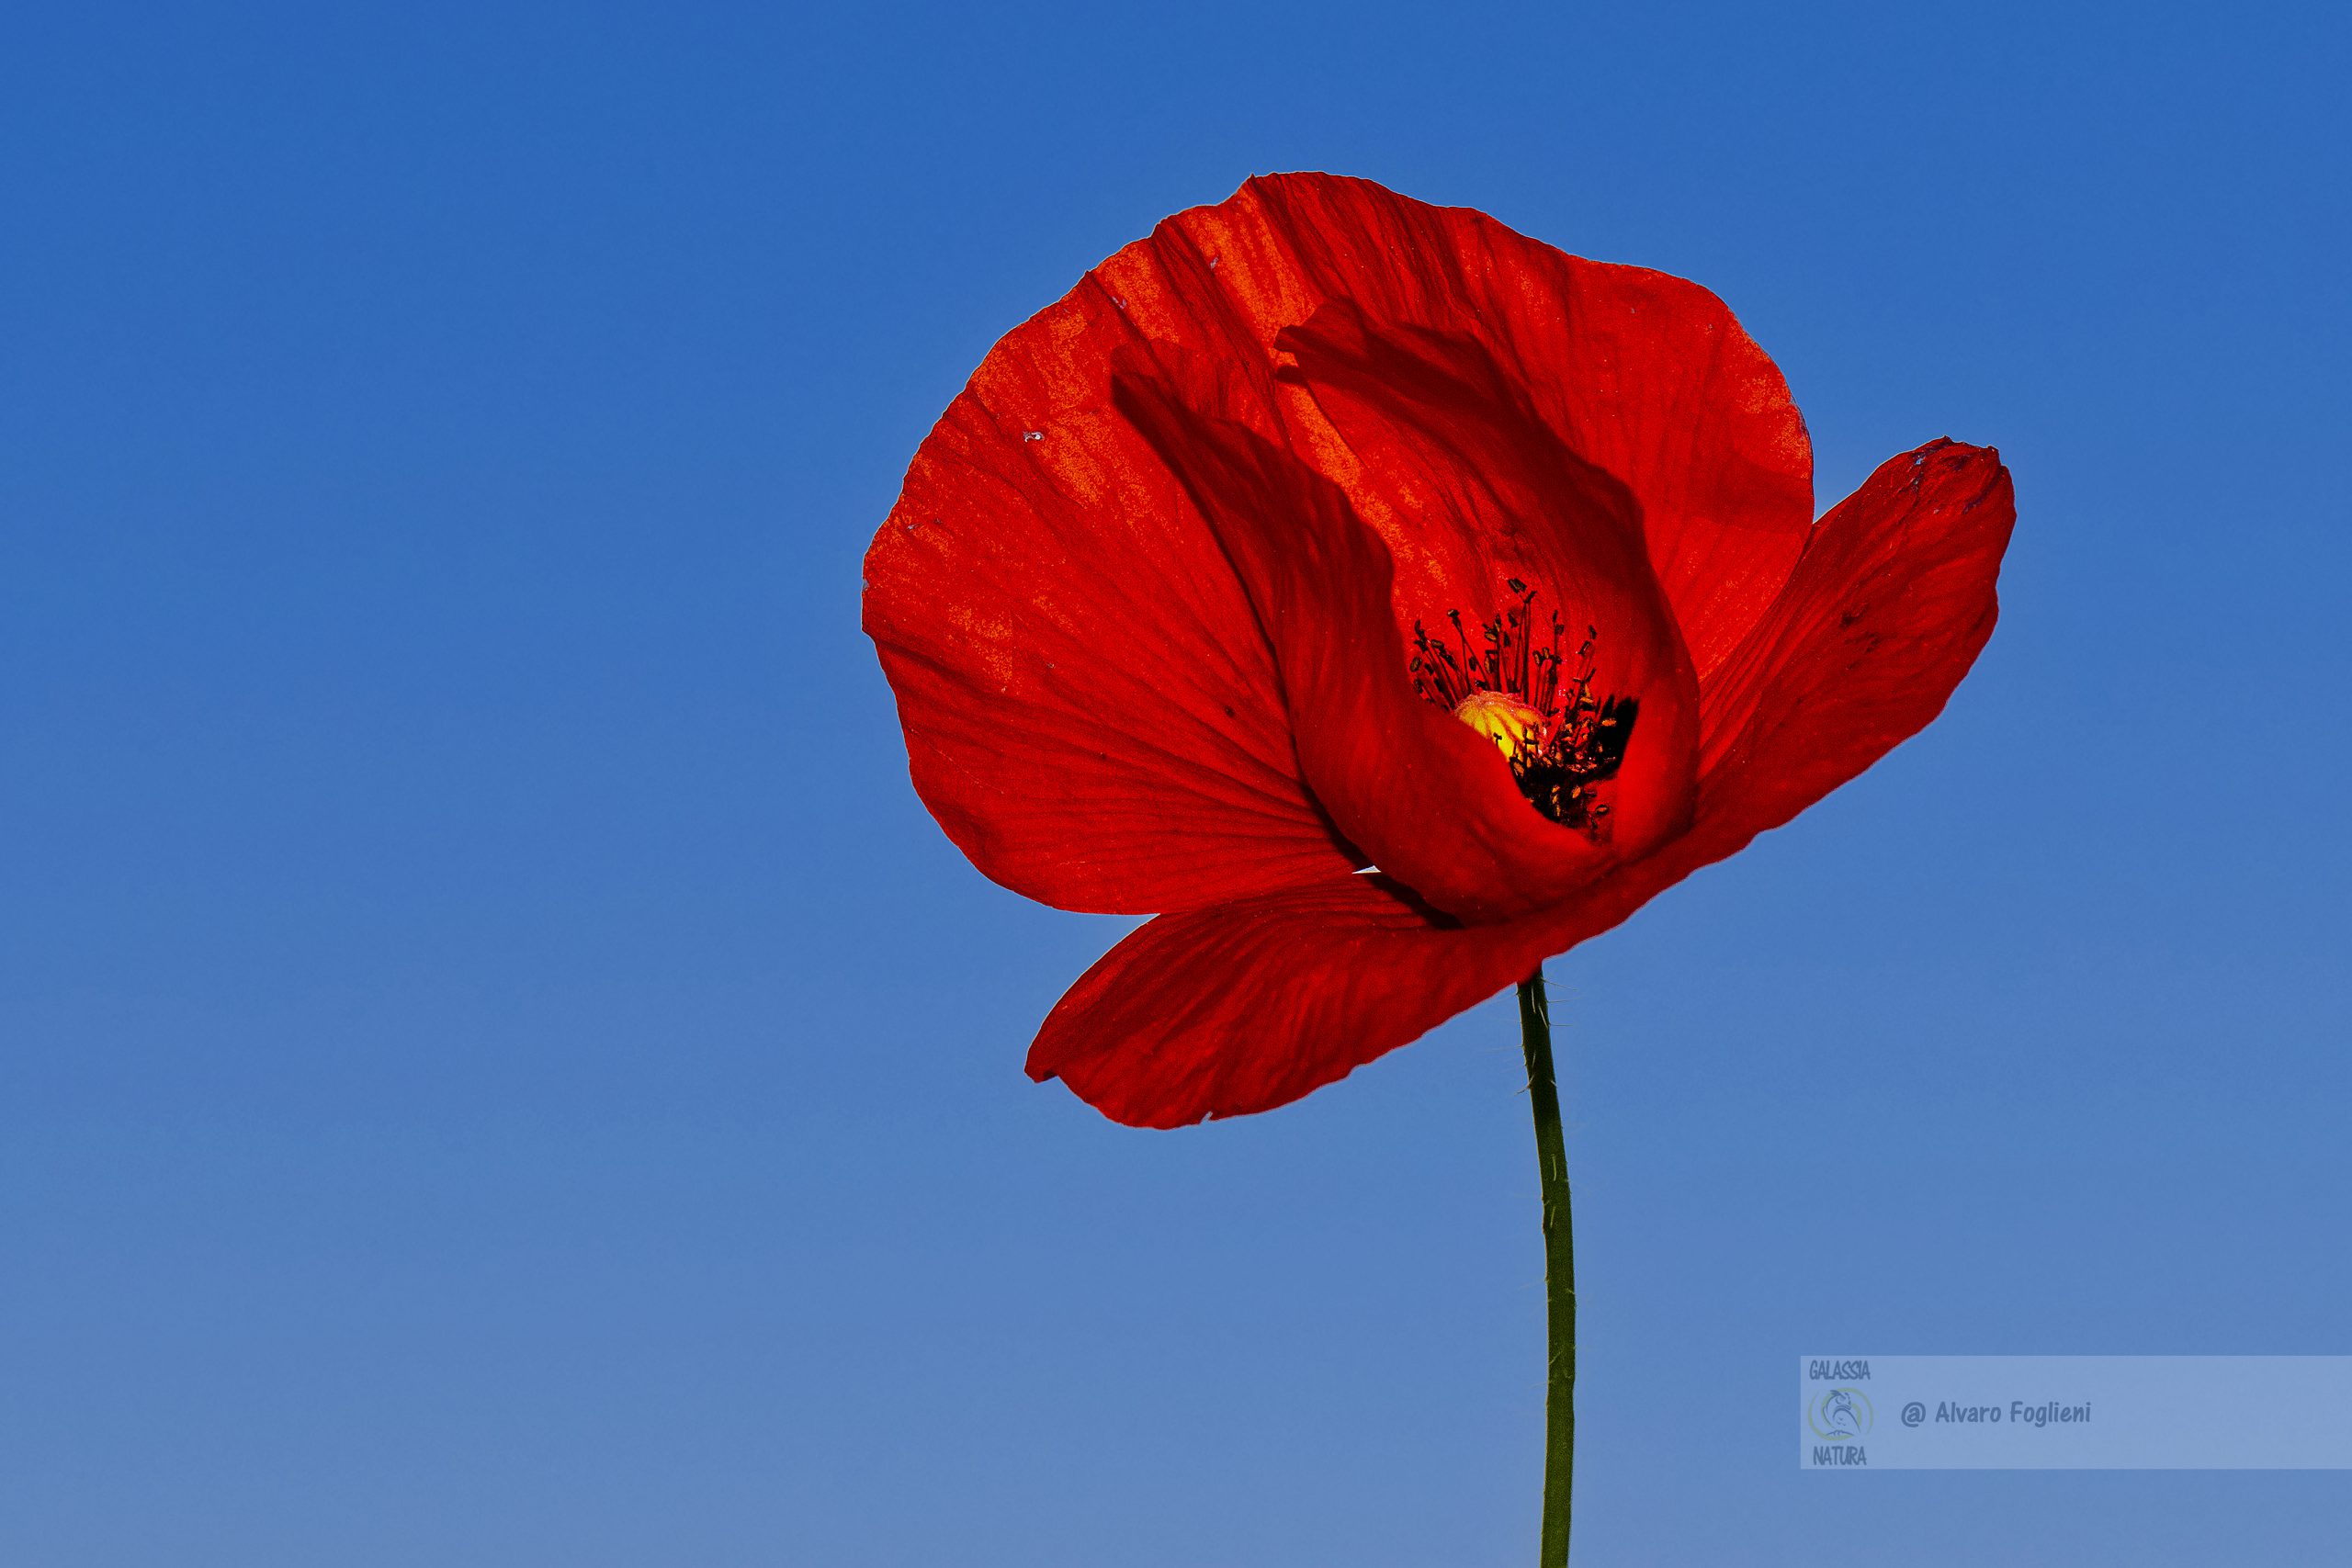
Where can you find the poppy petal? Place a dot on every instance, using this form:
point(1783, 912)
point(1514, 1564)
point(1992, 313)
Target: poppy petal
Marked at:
point(1090, 707)
point(1473, 492)
point(1250, 1004)
point(1889, 606)
point(1647, 377)
point(1425, 797)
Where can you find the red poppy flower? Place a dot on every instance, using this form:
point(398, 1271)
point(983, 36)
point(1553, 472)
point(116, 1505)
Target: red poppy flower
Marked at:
point(1324, 531)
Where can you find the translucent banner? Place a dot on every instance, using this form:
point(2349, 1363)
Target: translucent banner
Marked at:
point(2074, 1413)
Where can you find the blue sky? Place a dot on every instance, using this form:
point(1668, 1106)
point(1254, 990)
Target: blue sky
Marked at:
point(497, 1067)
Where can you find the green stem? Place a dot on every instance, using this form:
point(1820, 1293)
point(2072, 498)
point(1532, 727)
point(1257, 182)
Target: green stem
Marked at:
point(1559, 1269)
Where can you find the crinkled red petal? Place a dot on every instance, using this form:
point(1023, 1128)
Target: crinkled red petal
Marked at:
point(1090, 710)
point(1429, 800)
point(1472, 492)
point(1889, 606)
point(1250, 1004)
point(1645, 375)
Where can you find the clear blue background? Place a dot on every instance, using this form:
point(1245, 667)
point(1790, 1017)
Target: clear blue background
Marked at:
point(496, 1067)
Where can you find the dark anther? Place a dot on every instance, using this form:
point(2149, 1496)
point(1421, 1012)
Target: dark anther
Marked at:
point(1578, 740)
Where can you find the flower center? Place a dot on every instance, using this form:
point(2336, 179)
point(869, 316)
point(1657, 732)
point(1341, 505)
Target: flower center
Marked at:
point(1562, 741)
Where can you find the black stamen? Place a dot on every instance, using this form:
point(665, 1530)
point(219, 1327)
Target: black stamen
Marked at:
point(1586, 734)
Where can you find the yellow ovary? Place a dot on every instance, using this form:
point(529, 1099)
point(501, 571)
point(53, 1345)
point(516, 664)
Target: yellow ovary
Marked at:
point(1511, 725)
